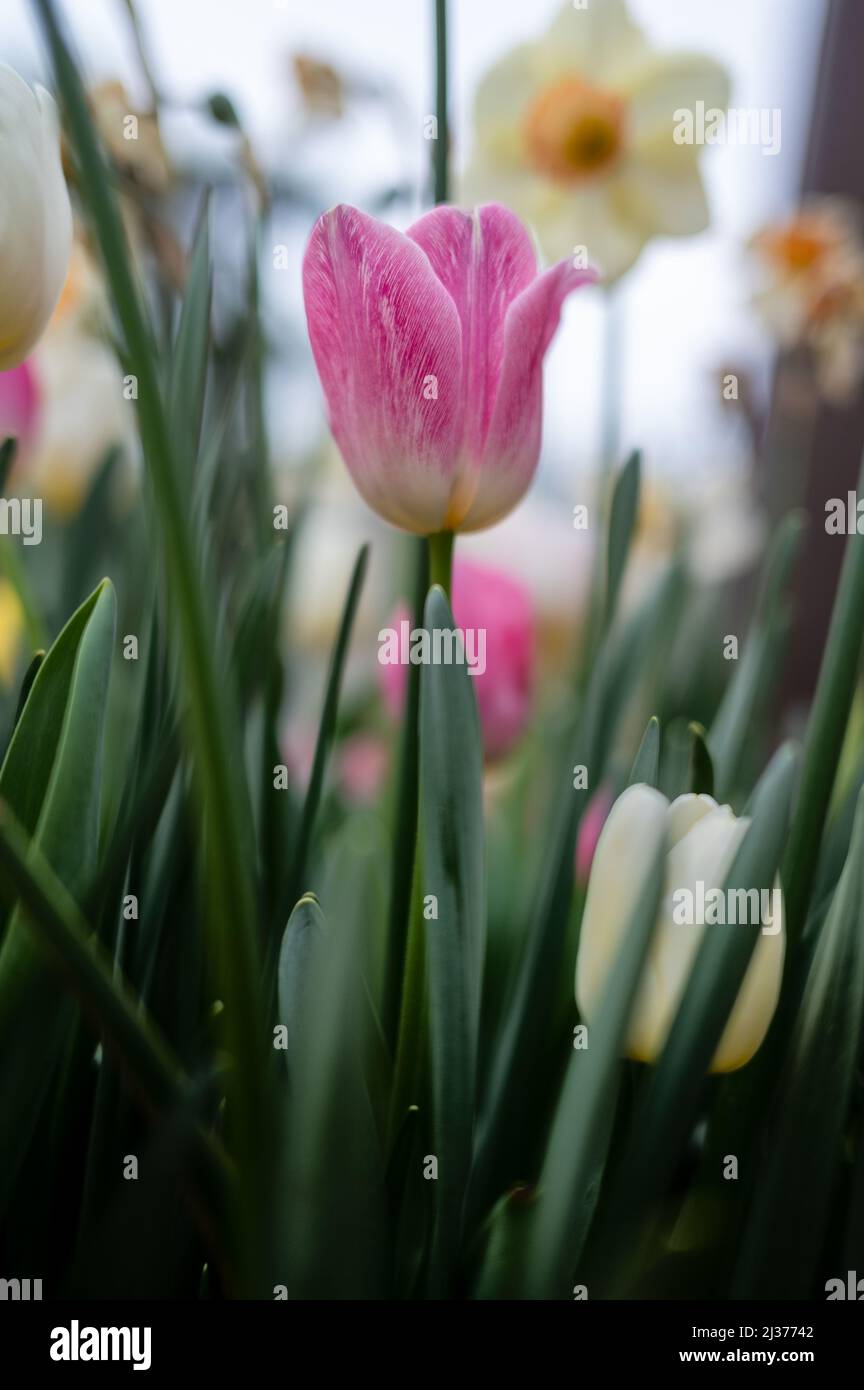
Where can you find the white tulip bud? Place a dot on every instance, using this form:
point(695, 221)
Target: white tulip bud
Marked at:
point(702, 840)
point(35, 216)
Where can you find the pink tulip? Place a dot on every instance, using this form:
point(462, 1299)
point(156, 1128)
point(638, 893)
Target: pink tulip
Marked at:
point(19, 407)
point(496, 602)
point(592, 823)
point(430, 347)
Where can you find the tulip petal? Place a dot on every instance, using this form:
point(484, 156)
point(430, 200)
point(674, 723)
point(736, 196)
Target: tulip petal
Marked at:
point(684, 813)
point(484, 260)
point(705, 854)
point(513, 440)
point(386, 339)
point(35, 216)
point(630, 837)
point(757, 999)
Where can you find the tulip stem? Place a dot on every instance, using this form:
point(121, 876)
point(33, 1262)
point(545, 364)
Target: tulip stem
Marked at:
point(441, 143)
point(441, 560)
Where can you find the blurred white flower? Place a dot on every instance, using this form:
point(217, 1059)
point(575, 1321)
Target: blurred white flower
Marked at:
point(575, 132)
point(84, 410)
point(35, 216)
point(811, 290)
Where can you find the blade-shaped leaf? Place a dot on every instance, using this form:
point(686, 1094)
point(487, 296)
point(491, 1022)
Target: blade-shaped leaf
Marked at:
point(701, 767)
point(580, 1133)
point(453, 859)
point(295, 885)
point(646, 764)
point(780, 1251)
point(749, 685)
point(622, 522)
point(189, 363)
point(667, 1109)
point(51, 779)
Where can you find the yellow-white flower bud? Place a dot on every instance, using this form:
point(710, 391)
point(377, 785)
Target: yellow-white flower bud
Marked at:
point(35, 216)
point(702, 840)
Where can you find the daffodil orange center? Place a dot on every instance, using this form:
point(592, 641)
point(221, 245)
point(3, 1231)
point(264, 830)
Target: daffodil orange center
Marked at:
point(574, 130)
point(797, 247)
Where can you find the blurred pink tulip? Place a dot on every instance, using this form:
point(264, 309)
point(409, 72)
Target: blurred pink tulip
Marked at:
point(430, 347)
point(362, 767)
point(19, 406)
point(592, 823)
point(488, 599)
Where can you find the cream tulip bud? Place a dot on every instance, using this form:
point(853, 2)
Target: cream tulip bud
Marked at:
point(702, 840)
point(35, 216)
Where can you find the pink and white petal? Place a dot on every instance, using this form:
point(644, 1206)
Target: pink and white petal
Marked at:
point(386, 340)
point(20, 406)
point(660, 199)
point(484, 260)
point(513, 441)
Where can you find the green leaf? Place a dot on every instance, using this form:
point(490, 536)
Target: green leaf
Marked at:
point(51, 780)
point(27, 683)
point(579, 1140)
point(303, 937)
point(646, 764)
point(335, 1163)
point(66, 945)
point(507, 1235)
point(780, 1253)
point(411, 1196)
point(192, 606)
point(8, 450)
point(826, 729)
point(405, 820)
point(513, 1076)
point(701, 767)
point(191, 347)
point(296, 885)
point(622, 523)
point(453, 859)
point(748, 690)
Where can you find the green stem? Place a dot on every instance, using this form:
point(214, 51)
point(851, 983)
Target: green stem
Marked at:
point(826, 729)
point(408, 1071)
point(405, 827)
point(441, 560)
point(404, 985)
point(441, 147)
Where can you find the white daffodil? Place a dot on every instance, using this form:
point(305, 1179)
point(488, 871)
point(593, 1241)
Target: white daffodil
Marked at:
point(702, 840)
point(35, 216)
point(576, 133)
